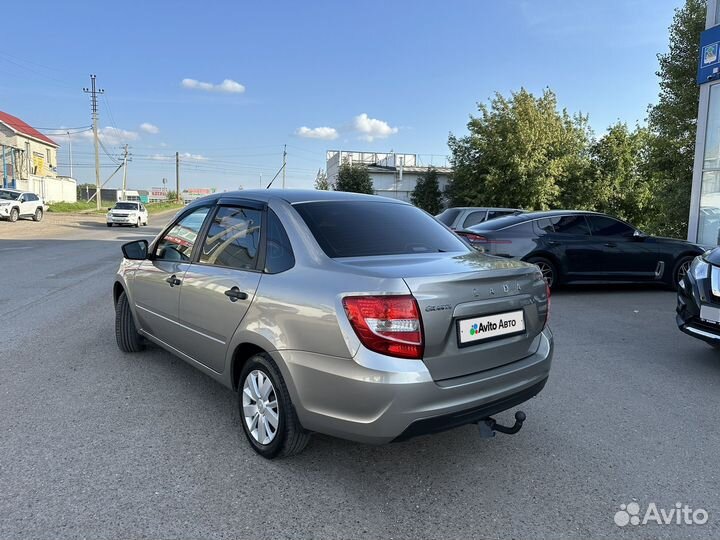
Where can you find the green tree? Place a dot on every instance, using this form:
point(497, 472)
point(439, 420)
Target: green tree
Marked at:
point(521, 152)
point(620, 183)
point(426, 194)
point(672, 121)
point(321, 180)
point(171, 196)
point(354, 178)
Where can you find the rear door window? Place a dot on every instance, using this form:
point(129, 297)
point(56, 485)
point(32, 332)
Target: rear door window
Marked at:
point(607, 226)
point(571, 225)
point(233, 239)
point(544, 226)
point(368, 228)
point(279, 255)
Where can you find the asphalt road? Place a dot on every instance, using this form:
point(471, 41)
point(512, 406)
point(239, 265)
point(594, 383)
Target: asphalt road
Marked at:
point(98, 444)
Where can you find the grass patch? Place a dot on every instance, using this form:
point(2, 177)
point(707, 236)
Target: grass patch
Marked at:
point(79, 207)
point(156, 208)
point(91, 208)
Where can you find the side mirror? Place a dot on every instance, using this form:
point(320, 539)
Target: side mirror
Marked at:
point(110, 208)
point(639, 236)
point(135, 251)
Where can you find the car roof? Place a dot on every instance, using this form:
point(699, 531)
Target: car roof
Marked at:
point(12, 190)
point(484, 208)
point(508, 221)
point(295, 196)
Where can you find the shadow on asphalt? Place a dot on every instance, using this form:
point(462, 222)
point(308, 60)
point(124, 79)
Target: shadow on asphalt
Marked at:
point(611, 288)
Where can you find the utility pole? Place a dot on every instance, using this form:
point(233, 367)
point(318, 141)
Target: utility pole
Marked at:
point(260, 180)
point(70, 151)
point(284, 162)
point(93, 91)
point(177, 176)
point(124, 185)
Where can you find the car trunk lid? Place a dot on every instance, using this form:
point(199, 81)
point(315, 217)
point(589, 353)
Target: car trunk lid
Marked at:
point(464, 287)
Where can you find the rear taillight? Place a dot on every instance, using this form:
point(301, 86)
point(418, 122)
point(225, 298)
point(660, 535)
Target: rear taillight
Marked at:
point(547, 310)
point(479, 239)
point(387, 324)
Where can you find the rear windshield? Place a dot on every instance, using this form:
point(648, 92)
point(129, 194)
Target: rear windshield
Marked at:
point(366, 228)
point(448, 216)
point(126, 206)
point(499, 223)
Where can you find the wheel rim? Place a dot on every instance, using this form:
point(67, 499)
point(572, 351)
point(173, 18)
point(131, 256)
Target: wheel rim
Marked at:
point(260, 407)
point(13, 215)
point(683, 270)
point(547, 272)
point(38, 214)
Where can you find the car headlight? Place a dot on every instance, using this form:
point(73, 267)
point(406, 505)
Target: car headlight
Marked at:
point(699, 269)
point(4, 203)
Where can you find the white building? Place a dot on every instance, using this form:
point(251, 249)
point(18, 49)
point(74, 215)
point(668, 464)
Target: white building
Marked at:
point(393, 175)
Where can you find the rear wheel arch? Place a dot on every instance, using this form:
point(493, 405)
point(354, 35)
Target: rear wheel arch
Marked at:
point(550, 257)
point(241, 355)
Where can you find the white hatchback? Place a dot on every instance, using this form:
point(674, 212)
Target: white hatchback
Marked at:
point(127, 213)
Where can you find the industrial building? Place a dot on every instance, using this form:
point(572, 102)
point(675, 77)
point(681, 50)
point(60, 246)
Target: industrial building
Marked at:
point(393, 174)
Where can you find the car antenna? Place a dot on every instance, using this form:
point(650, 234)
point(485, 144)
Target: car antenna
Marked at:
point(274, 177)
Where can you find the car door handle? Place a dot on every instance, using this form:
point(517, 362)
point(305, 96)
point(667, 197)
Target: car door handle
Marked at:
point(172, 280)
point(553, 243)
point(235, 294)
point(610, 244)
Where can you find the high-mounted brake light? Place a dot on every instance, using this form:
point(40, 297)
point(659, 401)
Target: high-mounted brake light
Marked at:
point(387, 324)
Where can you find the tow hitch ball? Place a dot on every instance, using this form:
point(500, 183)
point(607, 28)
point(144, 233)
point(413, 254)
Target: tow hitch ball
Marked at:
point(489, 426)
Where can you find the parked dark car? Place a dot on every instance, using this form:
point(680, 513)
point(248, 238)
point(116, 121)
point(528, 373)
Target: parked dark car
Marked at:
point(467, 216)
point(574, 246)
point(698, 307)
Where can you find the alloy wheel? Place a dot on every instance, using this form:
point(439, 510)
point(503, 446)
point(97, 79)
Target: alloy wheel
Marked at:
point(547, 272)
point(683, 269)
point(260, 407)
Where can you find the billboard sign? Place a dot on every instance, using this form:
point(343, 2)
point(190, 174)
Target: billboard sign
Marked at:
point(709, 61)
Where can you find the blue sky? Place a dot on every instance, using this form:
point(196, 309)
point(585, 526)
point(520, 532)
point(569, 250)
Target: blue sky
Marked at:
point(377, 75)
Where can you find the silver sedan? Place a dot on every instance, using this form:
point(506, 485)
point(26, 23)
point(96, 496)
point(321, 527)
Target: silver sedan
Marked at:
point(351, 315)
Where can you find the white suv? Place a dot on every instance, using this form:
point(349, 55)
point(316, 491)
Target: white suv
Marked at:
point(127, 213)
point(15, 204)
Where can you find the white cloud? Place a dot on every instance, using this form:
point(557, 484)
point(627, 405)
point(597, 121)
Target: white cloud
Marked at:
point(325, 133)
point(185, 155)
point(372, 128)
point(149, 128)
point(108, 135)
point(193, 157)
point(228, 86)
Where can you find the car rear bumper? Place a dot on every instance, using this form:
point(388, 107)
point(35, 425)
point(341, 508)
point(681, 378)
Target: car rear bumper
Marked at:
point(376, 399)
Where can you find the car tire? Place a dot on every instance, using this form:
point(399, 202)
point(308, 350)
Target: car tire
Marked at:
point(109, 224)
point(38, 215)
point(14, 215)
point(548, 269)
point(137, 225)
point(289, 437)
point(126, 333)
point(679, 270)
